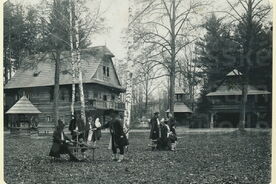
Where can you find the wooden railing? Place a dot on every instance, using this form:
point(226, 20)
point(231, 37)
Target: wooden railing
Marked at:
point(101, 104)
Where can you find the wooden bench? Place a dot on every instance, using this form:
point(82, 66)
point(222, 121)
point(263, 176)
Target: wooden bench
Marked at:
point(76, 149)
point(81, 145)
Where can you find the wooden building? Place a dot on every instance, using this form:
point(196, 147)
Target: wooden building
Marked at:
point(181, 110)
point(35, 79)
point(226, 99)
point(23, 115)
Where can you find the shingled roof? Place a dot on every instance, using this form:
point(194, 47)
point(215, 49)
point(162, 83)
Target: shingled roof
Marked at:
point(181, 107)
point(38, 70)
point(23, 106)
point(225, 90)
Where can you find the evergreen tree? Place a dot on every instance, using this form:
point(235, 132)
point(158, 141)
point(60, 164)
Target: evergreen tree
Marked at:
point(216, 57)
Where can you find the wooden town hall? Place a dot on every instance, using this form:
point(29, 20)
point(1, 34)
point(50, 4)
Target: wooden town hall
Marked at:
point(35, 80)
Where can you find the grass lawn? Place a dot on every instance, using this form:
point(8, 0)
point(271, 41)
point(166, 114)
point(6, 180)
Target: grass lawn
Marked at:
point(201, 158)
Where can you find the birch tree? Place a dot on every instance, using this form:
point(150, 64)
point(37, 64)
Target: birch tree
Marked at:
point(71, 33)
point(79, 21)
point(129, 82)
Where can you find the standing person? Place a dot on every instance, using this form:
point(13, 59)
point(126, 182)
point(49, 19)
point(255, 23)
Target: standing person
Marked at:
point(61, 143)
point(172, 136)
point(72, 127)
point(93, 130)
point(164, 142)
point(118, 137)
point(77, 127)
point(154, 130)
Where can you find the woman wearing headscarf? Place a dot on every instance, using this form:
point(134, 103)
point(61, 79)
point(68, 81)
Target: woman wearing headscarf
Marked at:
point(61, 143)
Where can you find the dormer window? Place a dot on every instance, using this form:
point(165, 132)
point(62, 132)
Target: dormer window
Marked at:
point(106, 71)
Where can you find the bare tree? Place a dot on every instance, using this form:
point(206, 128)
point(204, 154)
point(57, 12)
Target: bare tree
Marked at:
point(187, 74)
point(168, 27)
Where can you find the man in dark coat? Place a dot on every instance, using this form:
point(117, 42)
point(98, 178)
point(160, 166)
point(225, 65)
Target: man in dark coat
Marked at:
point(61, 143)
point(154, 130)
point(76, 127)
point(118, 137)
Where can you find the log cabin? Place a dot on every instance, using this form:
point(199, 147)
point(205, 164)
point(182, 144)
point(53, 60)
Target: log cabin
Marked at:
point(225, 103)
point(35, 80)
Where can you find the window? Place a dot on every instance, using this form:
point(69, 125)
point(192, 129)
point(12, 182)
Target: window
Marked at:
point(51, 94)
point(107, 71)
point(105, 98)
point(113, 97)
point(48, 119)
point(104, 70)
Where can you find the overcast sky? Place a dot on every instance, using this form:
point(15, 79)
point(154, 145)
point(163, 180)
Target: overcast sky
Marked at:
point(115, 13)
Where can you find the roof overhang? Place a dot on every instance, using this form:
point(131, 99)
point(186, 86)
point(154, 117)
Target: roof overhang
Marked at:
point(237, 93)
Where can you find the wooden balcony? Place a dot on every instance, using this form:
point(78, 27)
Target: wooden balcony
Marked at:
point(101, 104)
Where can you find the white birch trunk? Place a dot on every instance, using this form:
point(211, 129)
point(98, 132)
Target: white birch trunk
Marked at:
point(80, 73)
point(72, 60)
point(128, 99)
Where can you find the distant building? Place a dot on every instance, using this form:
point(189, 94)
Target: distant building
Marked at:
point(35, 80)
point(226, 100)
point(181, 110)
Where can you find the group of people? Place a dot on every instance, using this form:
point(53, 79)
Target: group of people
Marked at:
point(87, 135)
point(162, 132)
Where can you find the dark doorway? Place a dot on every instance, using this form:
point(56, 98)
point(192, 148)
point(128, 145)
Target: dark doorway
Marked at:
point(227, 120)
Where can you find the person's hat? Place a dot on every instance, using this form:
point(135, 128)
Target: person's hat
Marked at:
point(156, 113)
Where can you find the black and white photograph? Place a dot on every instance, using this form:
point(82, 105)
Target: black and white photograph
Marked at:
point(137, 91)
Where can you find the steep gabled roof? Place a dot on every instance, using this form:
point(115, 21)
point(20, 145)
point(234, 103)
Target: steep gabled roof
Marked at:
point(23, 106)
point(39, 70)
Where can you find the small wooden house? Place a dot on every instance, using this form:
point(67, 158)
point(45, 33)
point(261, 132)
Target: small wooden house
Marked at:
point(35, 79)
point(181, 110)
point(226, 100)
